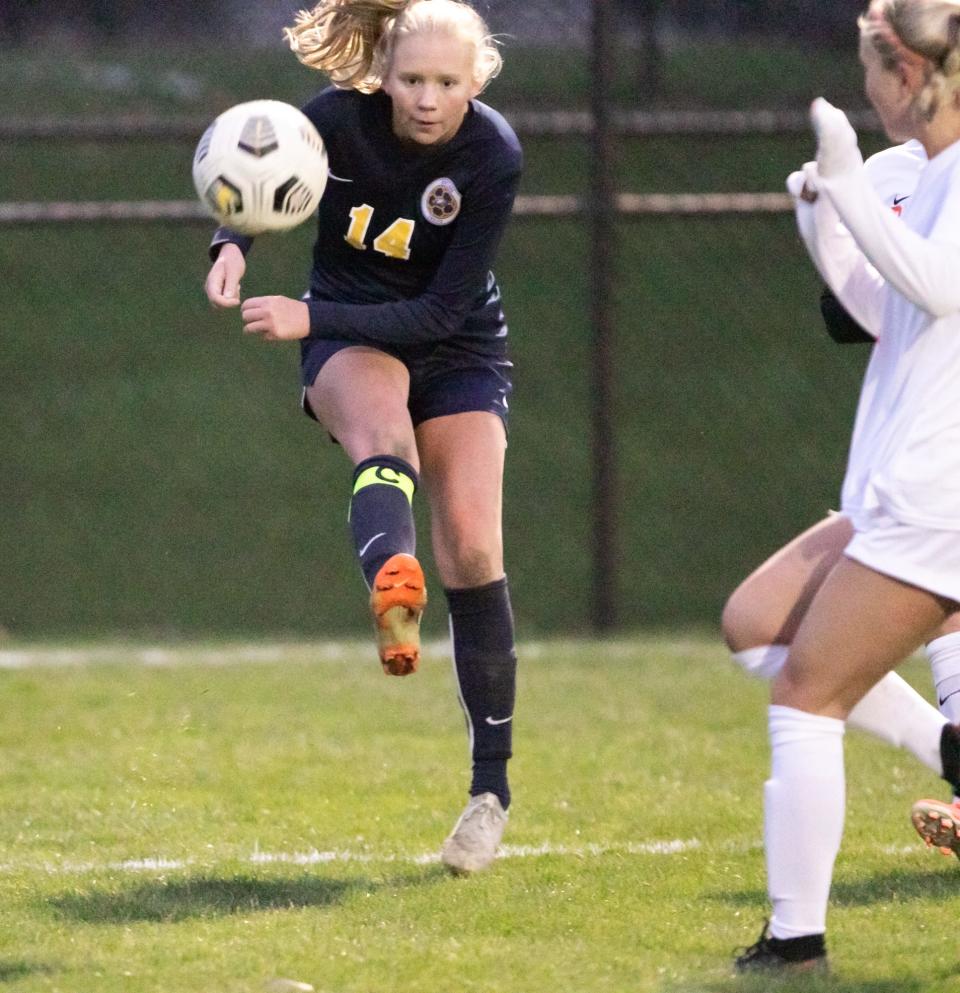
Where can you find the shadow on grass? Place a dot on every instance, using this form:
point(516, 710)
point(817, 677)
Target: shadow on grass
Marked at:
point(172, 900)
point(19, 968)
point(899, 885)
point(798, 984)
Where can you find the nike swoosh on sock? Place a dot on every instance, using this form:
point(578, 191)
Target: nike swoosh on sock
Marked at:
point(363, 551)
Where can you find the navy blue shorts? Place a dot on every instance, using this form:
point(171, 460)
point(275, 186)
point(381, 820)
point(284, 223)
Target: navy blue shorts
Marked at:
point(444, 379)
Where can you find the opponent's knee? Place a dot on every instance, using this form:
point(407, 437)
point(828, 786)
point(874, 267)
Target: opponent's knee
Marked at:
point(738, 623)
point(762, 661)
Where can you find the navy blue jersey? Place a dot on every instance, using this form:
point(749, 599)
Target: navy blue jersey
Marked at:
point(406, 234)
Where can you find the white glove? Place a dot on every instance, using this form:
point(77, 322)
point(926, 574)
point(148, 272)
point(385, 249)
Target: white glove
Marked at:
point(837, 150)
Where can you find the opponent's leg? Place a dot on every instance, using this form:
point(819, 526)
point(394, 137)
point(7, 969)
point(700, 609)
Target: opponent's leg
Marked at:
point(803, 803)
point(938, 823)
point(944, 655)
point(463, 473)
point(860, 624)
point(768, 606)
point(763, 614)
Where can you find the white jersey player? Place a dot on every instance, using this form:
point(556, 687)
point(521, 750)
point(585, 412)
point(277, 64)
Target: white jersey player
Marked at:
point(898, 579)
point(762, 615)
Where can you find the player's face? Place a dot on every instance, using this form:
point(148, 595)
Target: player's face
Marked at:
point(430, 82)
point(888, 93)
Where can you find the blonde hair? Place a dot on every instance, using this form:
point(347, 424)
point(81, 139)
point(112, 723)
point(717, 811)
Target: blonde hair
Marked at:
point(924, 33)
point(352, 41)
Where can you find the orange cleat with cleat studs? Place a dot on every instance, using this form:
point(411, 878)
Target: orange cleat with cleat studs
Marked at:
point(397, 600)
point(938, 823)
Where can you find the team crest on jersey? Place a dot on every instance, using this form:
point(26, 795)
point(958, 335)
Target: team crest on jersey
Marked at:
point(440, 202)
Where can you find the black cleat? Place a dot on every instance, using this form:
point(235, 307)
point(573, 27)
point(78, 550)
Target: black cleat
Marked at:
point(783, 955)
point(950, 755)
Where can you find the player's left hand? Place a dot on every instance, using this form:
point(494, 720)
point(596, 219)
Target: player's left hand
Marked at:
point(837, 150)
point(275, 318)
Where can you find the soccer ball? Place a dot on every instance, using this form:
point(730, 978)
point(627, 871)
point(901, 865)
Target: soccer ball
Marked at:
point(261, 166)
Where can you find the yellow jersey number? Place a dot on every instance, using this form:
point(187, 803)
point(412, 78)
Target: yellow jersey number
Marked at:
point(393, 242)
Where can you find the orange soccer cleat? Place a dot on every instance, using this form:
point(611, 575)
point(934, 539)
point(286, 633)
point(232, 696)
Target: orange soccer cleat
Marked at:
point(397, 600)
point(938, 823)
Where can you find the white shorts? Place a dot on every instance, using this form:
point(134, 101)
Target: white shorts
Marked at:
point(920, 556)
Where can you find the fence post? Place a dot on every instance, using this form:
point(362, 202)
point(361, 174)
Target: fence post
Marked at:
point(602, 230)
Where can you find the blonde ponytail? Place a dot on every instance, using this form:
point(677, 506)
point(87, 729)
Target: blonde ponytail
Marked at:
point(343, 38)
point(352, 40)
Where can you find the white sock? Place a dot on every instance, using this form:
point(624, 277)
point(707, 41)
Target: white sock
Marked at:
point(895, 712)
point(944, 655)
point(764, 661)
point(803, 818)
point(892, 711)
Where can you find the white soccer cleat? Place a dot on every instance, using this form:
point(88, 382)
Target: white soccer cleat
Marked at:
point(472, 844)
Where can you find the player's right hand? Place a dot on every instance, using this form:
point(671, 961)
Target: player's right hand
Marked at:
point(223, 281)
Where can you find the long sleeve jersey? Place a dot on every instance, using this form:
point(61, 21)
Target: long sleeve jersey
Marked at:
point(900, 278)
point(406, 234)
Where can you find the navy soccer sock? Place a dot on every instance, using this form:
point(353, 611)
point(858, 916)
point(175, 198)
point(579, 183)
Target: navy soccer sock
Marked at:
point(485, 663)
point(381, 511)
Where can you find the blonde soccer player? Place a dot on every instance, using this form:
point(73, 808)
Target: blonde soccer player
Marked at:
point(403, 341)
point(898, 579)
point(763, 614)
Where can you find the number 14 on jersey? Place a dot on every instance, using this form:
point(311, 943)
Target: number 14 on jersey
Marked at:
point(394, 241)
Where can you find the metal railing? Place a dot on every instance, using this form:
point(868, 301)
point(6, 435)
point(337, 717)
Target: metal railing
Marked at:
point(564, 205)
point(527, 123)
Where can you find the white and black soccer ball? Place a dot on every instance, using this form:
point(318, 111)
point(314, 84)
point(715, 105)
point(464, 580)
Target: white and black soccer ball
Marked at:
point(260, 166)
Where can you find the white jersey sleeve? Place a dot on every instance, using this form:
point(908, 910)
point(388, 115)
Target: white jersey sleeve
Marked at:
point(840, 262)
point(921, 266)
point(905, 454)
point(893, 174)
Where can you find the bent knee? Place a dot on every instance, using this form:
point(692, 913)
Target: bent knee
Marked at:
point(366, 444)
point(742, 624)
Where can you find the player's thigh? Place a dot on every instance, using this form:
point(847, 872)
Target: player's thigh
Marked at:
point(462, 457)
point(360, 397)
point(768, 606)
point(860, 625)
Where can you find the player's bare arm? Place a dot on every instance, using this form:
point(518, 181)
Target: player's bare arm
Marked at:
point(223, 281)
point(276, 318)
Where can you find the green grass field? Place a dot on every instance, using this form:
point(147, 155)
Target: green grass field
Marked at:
point(214, 816)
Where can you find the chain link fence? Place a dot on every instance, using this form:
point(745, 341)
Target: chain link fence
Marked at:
point(672, 452)
point(529, 23)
